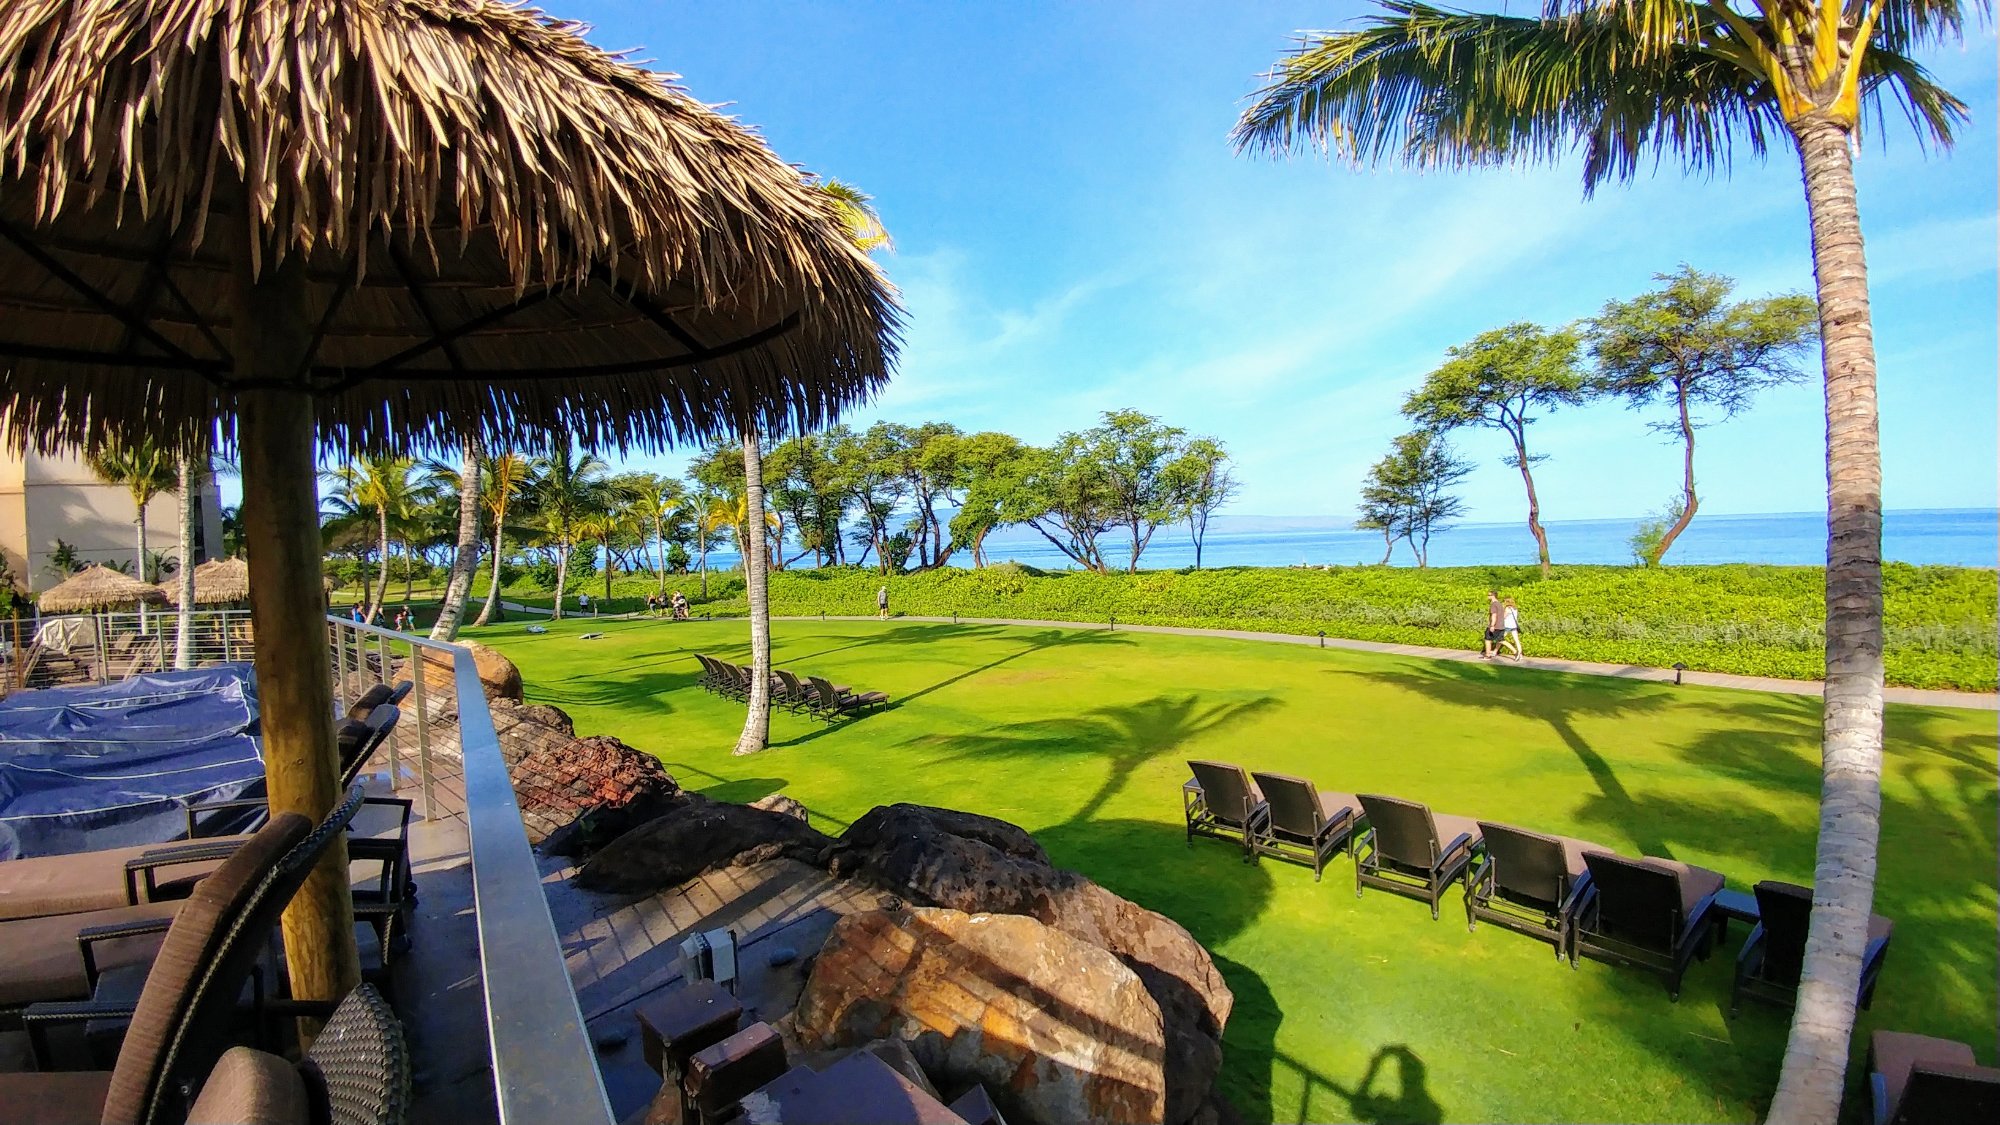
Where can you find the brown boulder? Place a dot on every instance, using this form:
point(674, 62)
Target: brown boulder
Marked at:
point(497, 674)
point(595, 788)
point(914, 852)
point(1057, 1029)
point(692, 835)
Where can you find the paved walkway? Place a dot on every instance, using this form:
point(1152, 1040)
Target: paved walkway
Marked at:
point(1917, 697)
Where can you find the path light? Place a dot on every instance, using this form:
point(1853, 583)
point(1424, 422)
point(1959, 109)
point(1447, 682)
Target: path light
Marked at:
point(1114, 621)
point(1322, 638)
point(1678, 669)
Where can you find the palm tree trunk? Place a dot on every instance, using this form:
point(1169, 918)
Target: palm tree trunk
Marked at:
point(382, 579)
point(660, 547)
point(1815, 1067)
point(499, 537)
point(139, 566)
point(1688, 501)
point(184, 617)
point(466, 559)
point(757, 723)
point(562, 577)
point(409, 569)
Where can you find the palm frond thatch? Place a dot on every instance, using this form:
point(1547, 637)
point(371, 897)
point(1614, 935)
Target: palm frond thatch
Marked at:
point(96, 588)
point(216, 582)
point(505, 231)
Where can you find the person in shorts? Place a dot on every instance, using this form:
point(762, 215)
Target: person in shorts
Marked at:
point(1494, 631)
point(882, 603)
point(1510, 626)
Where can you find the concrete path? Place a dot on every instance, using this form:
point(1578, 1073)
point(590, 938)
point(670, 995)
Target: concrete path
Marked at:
point(1978, 701)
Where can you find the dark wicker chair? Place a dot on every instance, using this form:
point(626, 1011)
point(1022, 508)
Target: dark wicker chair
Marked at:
point(186, 1015)
point(375, 697)
point(1652, 913)
point(1920, 1080)
point(356, 1073)
point(1768, 966)
point(835, 700)
point(1306, 825)
point(795, 696)
point(1221, 800)
point(1410, 850)
point(1527, 882)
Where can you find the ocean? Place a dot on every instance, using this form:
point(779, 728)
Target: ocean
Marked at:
point(1955, 537)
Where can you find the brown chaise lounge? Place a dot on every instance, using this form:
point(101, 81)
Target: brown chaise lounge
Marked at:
point(1767, 968)
point(1653, 913)
point(180, 1024)
point(1410, 850)
point(1920, 1080)
point(1527, 882)
point(1306, 824)
point(1222, 801)
point(835, 700)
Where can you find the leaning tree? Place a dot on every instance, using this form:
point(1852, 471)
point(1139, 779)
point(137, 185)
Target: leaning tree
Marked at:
point(1624, 81)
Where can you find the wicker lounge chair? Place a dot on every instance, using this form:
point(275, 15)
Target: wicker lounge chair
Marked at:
point(1306, 825)
point(1653, 913)
point(835, 700)
point(796, 696)
point(1767, 968)
point(1919, 1080)
point(1408, 849)
point(375, 697)
point(1221, 800)
point(1527, 882)
point(181, 1024)
point(357, 1072)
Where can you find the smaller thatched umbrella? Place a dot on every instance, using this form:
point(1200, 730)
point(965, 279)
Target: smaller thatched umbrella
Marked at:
point(97, 588)
point(216, 582)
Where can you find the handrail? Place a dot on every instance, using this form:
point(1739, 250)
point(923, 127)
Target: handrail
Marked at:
point(544, 1067)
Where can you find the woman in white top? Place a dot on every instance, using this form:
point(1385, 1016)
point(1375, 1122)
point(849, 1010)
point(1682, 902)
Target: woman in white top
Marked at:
point(1510, 626)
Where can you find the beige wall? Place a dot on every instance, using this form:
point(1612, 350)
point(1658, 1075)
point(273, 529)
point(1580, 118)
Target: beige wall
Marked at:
point(43, 499)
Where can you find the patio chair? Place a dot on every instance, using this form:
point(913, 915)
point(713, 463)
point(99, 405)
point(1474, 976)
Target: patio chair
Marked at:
point(375, 697)
point(357, 1072)
point(836, 700)
point(1527, 882)
point(1652, 913)
point(182, 1022)
point(795, 696)
point(1921, 1080)
point(1410, 850)
point(1306, 825)
point(1222, 801)
point(1767, 967)
point(712, 677)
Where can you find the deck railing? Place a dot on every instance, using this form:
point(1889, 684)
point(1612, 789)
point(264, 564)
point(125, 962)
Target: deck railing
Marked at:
point(544, 1068)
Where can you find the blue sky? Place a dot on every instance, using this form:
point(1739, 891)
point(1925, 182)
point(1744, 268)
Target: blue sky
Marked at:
point(1074, 234)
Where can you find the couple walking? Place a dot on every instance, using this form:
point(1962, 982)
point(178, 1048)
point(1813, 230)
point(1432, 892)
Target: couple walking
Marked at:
point(1503, 626)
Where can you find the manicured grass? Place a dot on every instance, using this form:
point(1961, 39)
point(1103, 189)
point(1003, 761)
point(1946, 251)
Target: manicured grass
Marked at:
point(1082, 736)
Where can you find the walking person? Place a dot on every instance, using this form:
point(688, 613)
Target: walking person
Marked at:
point(1510, 626)
point(1491, 645)
point(882, 602)
point(583, 604)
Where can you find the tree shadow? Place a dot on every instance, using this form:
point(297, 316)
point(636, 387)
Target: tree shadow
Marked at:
point(1037, 641)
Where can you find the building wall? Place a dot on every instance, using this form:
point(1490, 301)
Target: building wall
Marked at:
point(45, 499)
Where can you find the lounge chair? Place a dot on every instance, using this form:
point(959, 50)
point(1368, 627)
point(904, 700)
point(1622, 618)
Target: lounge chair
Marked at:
point(1920, 1080)
point(713, 677)
point(796, 696)
point(1410, 850)
point(1306, 825)
point(1767, 968)
point(182, 1021)
point(115, 877)
point(357, 1072)
point(1653, 913)
point(836, 700)
point(1527, 882)
point(1221, 800)
point(375, 697)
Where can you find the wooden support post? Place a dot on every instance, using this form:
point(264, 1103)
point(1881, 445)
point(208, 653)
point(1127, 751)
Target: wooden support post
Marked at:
point(275, 436)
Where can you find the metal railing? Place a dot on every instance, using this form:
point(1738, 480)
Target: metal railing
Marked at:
point(544, 1066)
point(99, 648)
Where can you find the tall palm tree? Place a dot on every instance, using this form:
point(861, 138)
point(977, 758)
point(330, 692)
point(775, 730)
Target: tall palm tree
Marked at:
point(712, 514)
point(1622, 80)
point(146, 470)
point(506, 472)
point(382, 486)
point(568, 487)
point(192, 471)
point(653, 499)
point(465, 554)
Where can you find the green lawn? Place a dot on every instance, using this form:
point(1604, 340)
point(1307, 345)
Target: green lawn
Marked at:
point(1081, 737)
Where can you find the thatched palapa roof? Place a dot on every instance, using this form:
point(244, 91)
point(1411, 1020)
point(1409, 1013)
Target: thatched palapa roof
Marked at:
point(216, 582)
point(96, 588)
point(506, 231)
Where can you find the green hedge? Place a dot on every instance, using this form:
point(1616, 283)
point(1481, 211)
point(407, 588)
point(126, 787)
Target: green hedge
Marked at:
point(1749, 620)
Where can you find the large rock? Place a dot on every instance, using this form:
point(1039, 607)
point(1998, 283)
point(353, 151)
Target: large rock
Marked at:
point(579, 793)
point(1057, 1029)
point(497, 674)
point(979, 865)
point(692, 835)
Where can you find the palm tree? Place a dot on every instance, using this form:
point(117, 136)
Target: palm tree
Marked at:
point(146, 470)
point(379, 485)
point(1622, 81)
point(504, 476)
point(465, 555)
point(568, 487)
point(653, 501)
point(712, 514)
point(191, 475)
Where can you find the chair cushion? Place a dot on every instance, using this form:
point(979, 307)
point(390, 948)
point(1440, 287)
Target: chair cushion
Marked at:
point(251, 1088)
point(1449, 827)
point(1879, 928)
point(1697, 883)
point(1895, 1052)
point(67, 1097)
point(1573, 852)
point(71, 884)
point(43, 961)
point(1331, 804)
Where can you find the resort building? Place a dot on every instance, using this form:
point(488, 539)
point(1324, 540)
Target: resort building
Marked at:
point(47, 501)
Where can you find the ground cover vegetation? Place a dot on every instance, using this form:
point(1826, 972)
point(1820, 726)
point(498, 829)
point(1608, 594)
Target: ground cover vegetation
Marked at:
point(1354, 1009)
